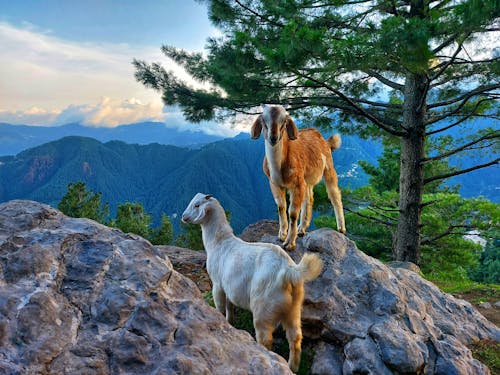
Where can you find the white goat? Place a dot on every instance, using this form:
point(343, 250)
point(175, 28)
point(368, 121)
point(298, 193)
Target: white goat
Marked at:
point(297, 160)
point(259, 277)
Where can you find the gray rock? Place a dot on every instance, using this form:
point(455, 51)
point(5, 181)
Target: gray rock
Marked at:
point(375, 319)
point(77, 297)
point(485, 305)
point(328, 360)
point(406, 265)
point(497, 304)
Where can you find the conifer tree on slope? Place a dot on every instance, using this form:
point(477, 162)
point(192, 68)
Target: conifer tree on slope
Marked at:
point(413, 69)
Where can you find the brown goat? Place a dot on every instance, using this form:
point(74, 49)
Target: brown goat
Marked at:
point(297, 160)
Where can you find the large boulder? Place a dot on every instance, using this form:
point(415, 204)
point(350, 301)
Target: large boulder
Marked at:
point(368, 318)
point(77, 297)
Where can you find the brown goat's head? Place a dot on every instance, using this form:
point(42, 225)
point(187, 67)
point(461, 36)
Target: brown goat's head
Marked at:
point(273, 121)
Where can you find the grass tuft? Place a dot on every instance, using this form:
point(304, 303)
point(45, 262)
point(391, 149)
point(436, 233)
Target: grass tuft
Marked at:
point(487, 352)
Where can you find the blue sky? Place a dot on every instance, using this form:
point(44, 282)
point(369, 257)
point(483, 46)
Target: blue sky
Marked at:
point(139, 23)
point(70, 61)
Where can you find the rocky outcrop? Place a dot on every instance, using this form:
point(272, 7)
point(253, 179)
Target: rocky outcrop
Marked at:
point(77, 297)
point(368, 318)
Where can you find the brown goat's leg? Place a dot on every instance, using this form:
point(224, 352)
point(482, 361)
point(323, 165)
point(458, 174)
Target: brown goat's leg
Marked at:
point(296, 198)
point(306, 211)
point(279, 195)
point(332, 188)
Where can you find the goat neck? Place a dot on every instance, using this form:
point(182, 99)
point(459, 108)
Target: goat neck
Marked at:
point(216, 229)
point(276, 156)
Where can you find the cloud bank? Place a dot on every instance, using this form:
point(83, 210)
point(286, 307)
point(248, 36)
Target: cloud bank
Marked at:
point(46, 80)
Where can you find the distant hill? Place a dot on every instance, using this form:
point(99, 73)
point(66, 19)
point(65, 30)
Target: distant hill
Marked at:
point(163, 178)
point(16, 138)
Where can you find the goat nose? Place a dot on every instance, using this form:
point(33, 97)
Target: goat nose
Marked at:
point(184, 218)
point(273, 140)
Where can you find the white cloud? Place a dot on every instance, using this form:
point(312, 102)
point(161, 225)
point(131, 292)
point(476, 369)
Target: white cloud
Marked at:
point(47, 80)
point(32, 116)
point(110, 113)
point(230, 128)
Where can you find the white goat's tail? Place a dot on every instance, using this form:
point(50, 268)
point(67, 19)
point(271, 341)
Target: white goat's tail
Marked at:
point(334, 141)
point(308, 269)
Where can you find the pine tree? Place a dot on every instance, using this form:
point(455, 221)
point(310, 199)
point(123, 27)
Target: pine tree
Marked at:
point(164, 234)
point(131, 218)
point(338, 62)
point(80, 202)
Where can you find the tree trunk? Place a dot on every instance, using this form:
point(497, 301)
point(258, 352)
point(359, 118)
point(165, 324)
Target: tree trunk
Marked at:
point(407, 243)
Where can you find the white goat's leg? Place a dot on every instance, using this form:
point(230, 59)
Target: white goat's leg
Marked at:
point(229, 311)
point(294, 337)
point(306, 211)
point(335, 196)
point(292, 325)
point(263, 333)
point(279, 195)
point(219, 299)
point(296, 199)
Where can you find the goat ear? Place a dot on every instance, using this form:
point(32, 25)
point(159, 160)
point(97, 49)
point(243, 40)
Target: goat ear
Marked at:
point(291, 128)
point(256, 127)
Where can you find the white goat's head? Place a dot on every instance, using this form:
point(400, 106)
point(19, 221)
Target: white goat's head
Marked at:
point(272, 122)
point(197, 209)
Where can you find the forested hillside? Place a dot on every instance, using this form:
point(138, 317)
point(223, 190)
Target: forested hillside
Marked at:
point(17, 138)
point(162, 178)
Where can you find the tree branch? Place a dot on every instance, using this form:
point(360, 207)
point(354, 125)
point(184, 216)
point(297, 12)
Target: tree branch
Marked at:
point(458, 122)
point(387, 223)
point(456, 173)
point(448, 63)
point(448, 232)
point(477, 91)
point(445, 44)
point(461, 148)
point(360, 110)
point(385, 81)
point(258, 15)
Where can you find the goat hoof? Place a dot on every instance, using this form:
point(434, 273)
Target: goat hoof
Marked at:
point(301, 234)
point(289, 247)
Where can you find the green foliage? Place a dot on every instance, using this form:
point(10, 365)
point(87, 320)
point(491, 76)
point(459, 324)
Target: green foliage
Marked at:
point(131, 218)
point(164, 234)
point(190, 237)
point(385, 176)
point(80, 202)
point(488, 352)
point(445, 251)
point(488, 269)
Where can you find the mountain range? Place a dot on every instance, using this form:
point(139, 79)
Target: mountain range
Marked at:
point(163, 178)
point(16, 138)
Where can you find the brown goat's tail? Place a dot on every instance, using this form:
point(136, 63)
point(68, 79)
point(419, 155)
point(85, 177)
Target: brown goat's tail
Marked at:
point(334, 141)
